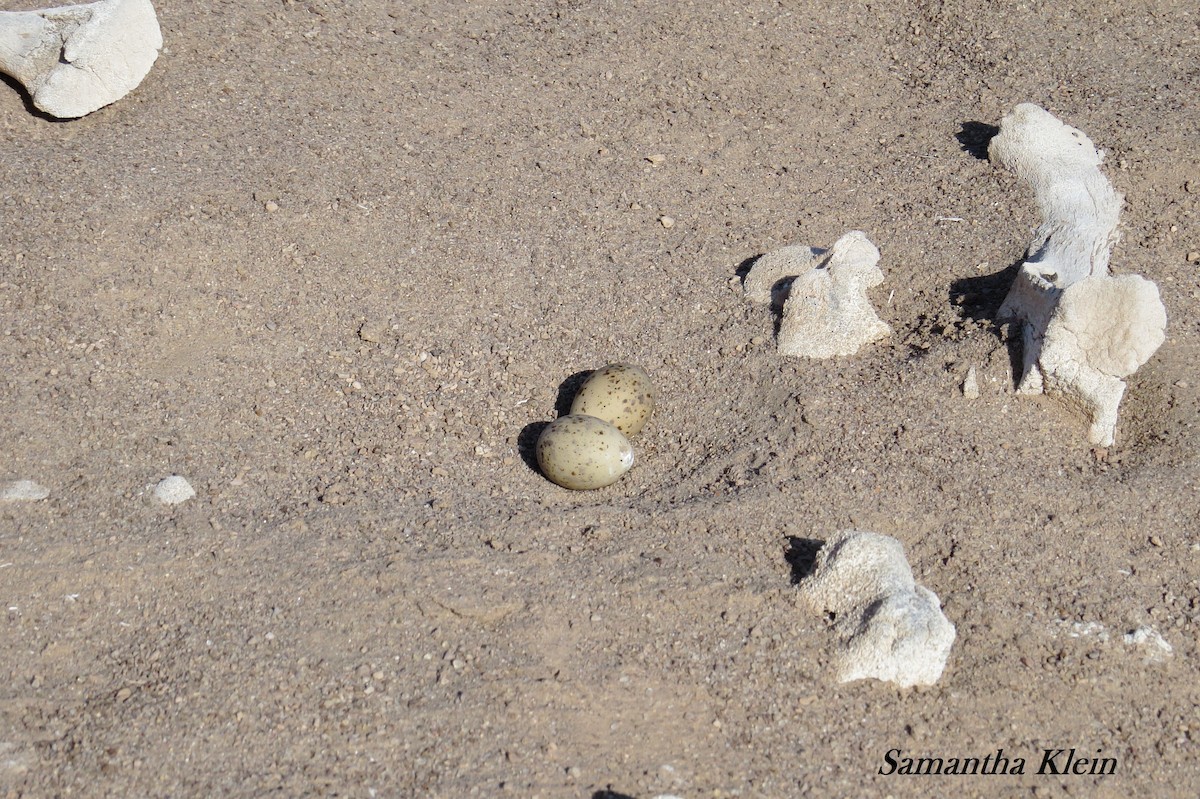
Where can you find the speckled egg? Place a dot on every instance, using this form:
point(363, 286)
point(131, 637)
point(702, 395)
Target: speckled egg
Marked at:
point(620, 394)
point(583, 452)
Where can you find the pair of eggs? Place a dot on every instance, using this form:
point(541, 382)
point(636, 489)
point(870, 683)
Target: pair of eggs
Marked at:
point(589, 447)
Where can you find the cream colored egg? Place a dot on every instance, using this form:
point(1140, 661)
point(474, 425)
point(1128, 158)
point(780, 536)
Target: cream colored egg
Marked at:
point(582, 452)
point(620, 394)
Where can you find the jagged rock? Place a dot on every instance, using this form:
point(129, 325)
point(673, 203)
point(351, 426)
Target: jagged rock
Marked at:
point(970, 385)
point(173, 490)
point(826, 312)
point(772, 274)
point(887, 626)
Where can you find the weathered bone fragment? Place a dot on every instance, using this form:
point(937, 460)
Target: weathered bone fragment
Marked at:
point(826, 313)
point(76, 59)
point(1082, 329)
point(887, 626)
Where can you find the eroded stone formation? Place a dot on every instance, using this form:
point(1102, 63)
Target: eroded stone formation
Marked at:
point(1083, 330)
point(823, 294)
point(887, 627)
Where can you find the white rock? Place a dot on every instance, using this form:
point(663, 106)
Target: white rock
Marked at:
point(970, 386)
point(772, 274)
point(23, 491)
point(1147, 640)
point(1082, 329)
point(888, 627)
point(903, 638)
point(173, 490)
point(1151, 643)
point(1083, 629)
point(76, 59)
point(827, 313)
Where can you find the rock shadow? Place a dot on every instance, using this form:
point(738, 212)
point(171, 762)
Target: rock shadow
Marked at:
point(974, 137)
point(979, 299)
point(779, 290)
point(609, 793)
point(745, 266)
point(32, 109)
point(801, 556)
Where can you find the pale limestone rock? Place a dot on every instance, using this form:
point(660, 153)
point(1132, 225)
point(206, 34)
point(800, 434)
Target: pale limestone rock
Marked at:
point(772, 274)
point(173, 490)
point(826, 313)
point(970, 385)
point(76, 59)
point(888, 627)
point(1144, 639)
point(1082, 329)
point(1150, 642)
point(23, 491)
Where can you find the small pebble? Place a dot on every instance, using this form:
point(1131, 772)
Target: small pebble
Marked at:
point(667, 222)
point(373, 330)
point(970, 386)
point(270, 206)
point(656, 159)
point(1193, 257)
point(173, 490)
point(23, 491)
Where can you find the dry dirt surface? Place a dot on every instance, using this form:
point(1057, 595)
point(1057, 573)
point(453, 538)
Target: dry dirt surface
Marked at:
point(337, 264)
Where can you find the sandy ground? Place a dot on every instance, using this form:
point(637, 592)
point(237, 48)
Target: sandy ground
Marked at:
point(374, 594)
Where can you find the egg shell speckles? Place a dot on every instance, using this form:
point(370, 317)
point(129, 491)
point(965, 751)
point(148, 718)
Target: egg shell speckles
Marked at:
point(620, 394)
point(582, 452)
